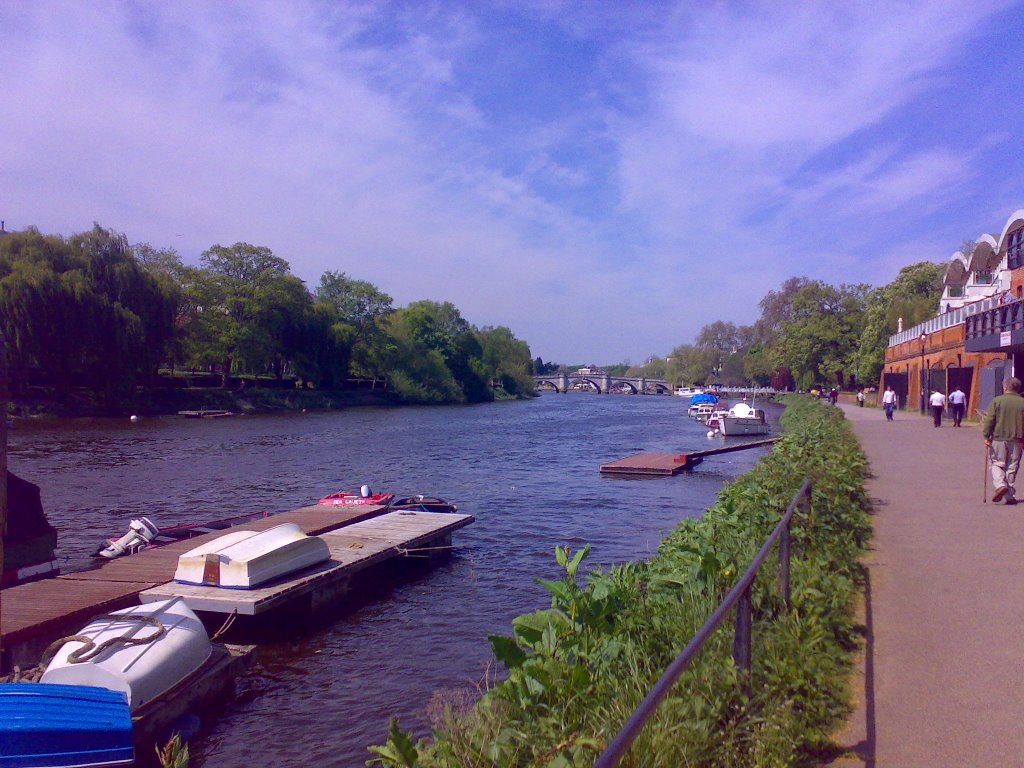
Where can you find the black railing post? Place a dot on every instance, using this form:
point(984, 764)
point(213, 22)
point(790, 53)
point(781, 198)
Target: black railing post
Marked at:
point(784, 565)
point(742, 650)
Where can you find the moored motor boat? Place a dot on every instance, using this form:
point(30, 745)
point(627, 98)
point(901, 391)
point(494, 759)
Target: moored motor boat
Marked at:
point(141, 651)
point(246, 559)
point(688, 391)
point(421, 503)
point(64, 725)
point(742, 419)
point(365, 497)
point(28, 538)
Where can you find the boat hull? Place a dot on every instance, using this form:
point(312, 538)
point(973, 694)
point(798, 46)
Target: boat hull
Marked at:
point(142, 672)
point(63, 725)
point(731, 426)
point(247, 559)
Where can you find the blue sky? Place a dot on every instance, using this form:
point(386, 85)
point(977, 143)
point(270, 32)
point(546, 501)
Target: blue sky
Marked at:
point(602, 178)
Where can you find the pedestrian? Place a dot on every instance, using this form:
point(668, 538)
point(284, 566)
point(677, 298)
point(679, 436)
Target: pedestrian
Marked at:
point(861, 397)
point(958, 403)
point(833, 396)
point(937, 402)
point(1003, 430)
point(889, 402)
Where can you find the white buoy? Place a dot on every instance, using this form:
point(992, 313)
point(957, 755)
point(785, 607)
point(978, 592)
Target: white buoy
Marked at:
point(134, 418)
point(711, 433)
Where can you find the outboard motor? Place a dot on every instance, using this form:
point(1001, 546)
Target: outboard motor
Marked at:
point(365, 492)
point(140, 533)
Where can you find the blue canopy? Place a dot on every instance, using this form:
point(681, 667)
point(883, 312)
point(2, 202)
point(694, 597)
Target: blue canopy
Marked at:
point(704, 397)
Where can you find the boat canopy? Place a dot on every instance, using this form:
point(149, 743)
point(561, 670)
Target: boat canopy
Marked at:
point(704, 397)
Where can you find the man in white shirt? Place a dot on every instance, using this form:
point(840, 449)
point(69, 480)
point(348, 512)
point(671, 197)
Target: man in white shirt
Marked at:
point(889, 402)
point(937, 402)
point(958, 404)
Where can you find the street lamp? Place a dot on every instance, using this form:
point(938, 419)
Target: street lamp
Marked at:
point(923, 337)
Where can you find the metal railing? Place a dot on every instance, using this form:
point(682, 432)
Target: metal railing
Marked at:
point(740, 597)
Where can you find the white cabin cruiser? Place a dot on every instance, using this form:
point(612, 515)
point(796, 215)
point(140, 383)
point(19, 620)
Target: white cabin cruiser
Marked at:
point(743, 419)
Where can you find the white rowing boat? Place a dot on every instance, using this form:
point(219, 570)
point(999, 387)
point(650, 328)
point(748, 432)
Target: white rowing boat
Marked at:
point(141, 651)
point(246, 559)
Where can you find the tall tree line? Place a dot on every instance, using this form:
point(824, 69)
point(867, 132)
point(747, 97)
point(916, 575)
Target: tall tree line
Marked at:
point(94, 311)
point(809, 332)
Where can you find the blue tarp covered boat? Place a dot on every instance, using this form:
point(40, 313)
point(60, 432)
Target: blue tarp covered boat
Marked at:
point(63, 725)
point(704, 398)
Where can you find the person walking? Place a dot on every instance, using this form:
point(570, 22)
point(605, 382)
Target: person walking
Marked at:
point(1003, 430)
point(937, 402)
point(889, 402)
point(958, 403)
point(861, 397)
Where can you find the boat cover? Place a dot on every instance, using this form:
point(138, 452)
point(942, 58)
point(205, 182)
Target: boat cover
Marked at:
point(29, 538)
point(704, 397)
point(63, 725)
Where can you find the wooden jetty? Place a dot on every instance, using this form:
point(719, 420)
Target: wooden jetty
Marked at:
point(669, 464)
point(402, 533)
point(36, 614)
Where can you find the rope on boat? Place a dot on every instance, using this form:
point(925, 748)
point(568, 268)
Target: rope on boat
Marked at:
point(225, 626)
point(90, 650)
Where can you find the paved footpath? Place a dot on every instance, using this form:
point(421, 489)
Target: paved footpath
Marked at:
point(943, 676)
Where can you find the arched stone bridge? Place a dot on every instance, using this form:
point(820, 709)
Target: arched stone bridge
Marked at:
point(604, 383)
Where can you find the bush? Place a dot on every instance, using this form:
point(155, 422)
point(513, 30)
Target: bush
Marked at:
point(577, 670)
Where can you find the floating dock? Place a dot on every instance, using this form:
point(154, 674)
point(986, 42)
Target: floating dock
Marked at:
point(670, 464)
point(402, 533)
point(36, 614)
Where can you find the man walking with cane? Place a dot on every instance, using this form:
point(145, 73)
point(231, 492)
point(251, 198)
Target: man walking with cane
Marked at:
point(1003, 430)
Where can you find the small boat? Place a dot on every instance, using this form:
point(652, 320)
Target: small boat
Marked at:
point(166, 643)
point(702, 412)
point(28, 539)
point(365, 497)
point(206, 413)
point(421, 503)
point(714, 421)
point(743, 419)
point(688, 391)
point(247, 559)
point(64, 725)
point(143, 533)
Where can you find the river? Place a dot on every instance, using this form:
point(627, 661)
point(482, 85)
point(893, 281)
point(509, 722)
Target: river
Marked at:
point(528, 471)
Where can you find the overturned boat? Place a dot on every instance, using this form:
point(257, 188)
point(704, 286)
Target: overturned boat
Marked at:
point(64, 725)
point(247, 559)
point(142, 651)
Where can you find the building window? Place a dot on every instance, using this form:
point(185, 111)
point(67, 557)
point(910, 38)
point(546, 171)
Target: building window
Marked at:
point(983, 277)
point(1015, 249)
point(955, 291)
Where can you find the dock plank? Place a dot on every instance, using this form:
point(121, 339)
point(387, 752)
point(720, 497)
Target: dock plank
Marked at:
point(670, 464)
point(353, 548)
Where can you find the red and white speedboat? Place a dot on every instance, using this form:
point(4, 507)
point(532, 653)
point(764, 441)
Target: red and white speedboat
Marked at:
point(361, 499)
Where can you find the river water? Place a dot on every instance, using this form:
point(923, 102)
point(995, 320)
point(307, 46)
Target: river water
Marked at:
point(528, 471)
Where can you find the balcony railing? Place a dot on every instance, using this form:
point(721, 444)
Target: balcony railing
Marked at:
point(948, 319)
point(1006, 317)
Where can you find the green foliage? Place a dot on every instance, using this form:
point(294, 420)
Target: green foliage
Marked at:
point(174, 753)
point(577, 669)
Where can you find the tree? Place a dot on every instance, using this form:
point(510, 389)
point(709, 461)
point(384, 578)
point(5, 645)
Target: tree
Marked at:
point(357, 308)
point(819, 340)
point(246, 304)
point(507, 360)
point(913, 297)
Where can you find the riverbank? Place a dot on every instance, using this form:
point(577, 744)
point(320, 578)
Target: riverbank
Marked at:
point(577, 671)
point(169, 401)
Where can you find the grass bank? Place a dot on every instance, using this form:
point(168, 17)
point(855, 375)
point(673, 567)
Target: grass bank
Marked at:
point(577, 670)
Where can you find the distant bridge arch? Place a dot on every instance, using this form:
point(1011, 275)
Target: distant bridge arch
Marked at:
point(604, 383)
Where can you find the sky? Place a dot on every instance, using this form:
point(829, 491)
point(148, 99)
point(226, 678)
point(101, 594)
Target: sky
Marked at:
point(603, 178)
